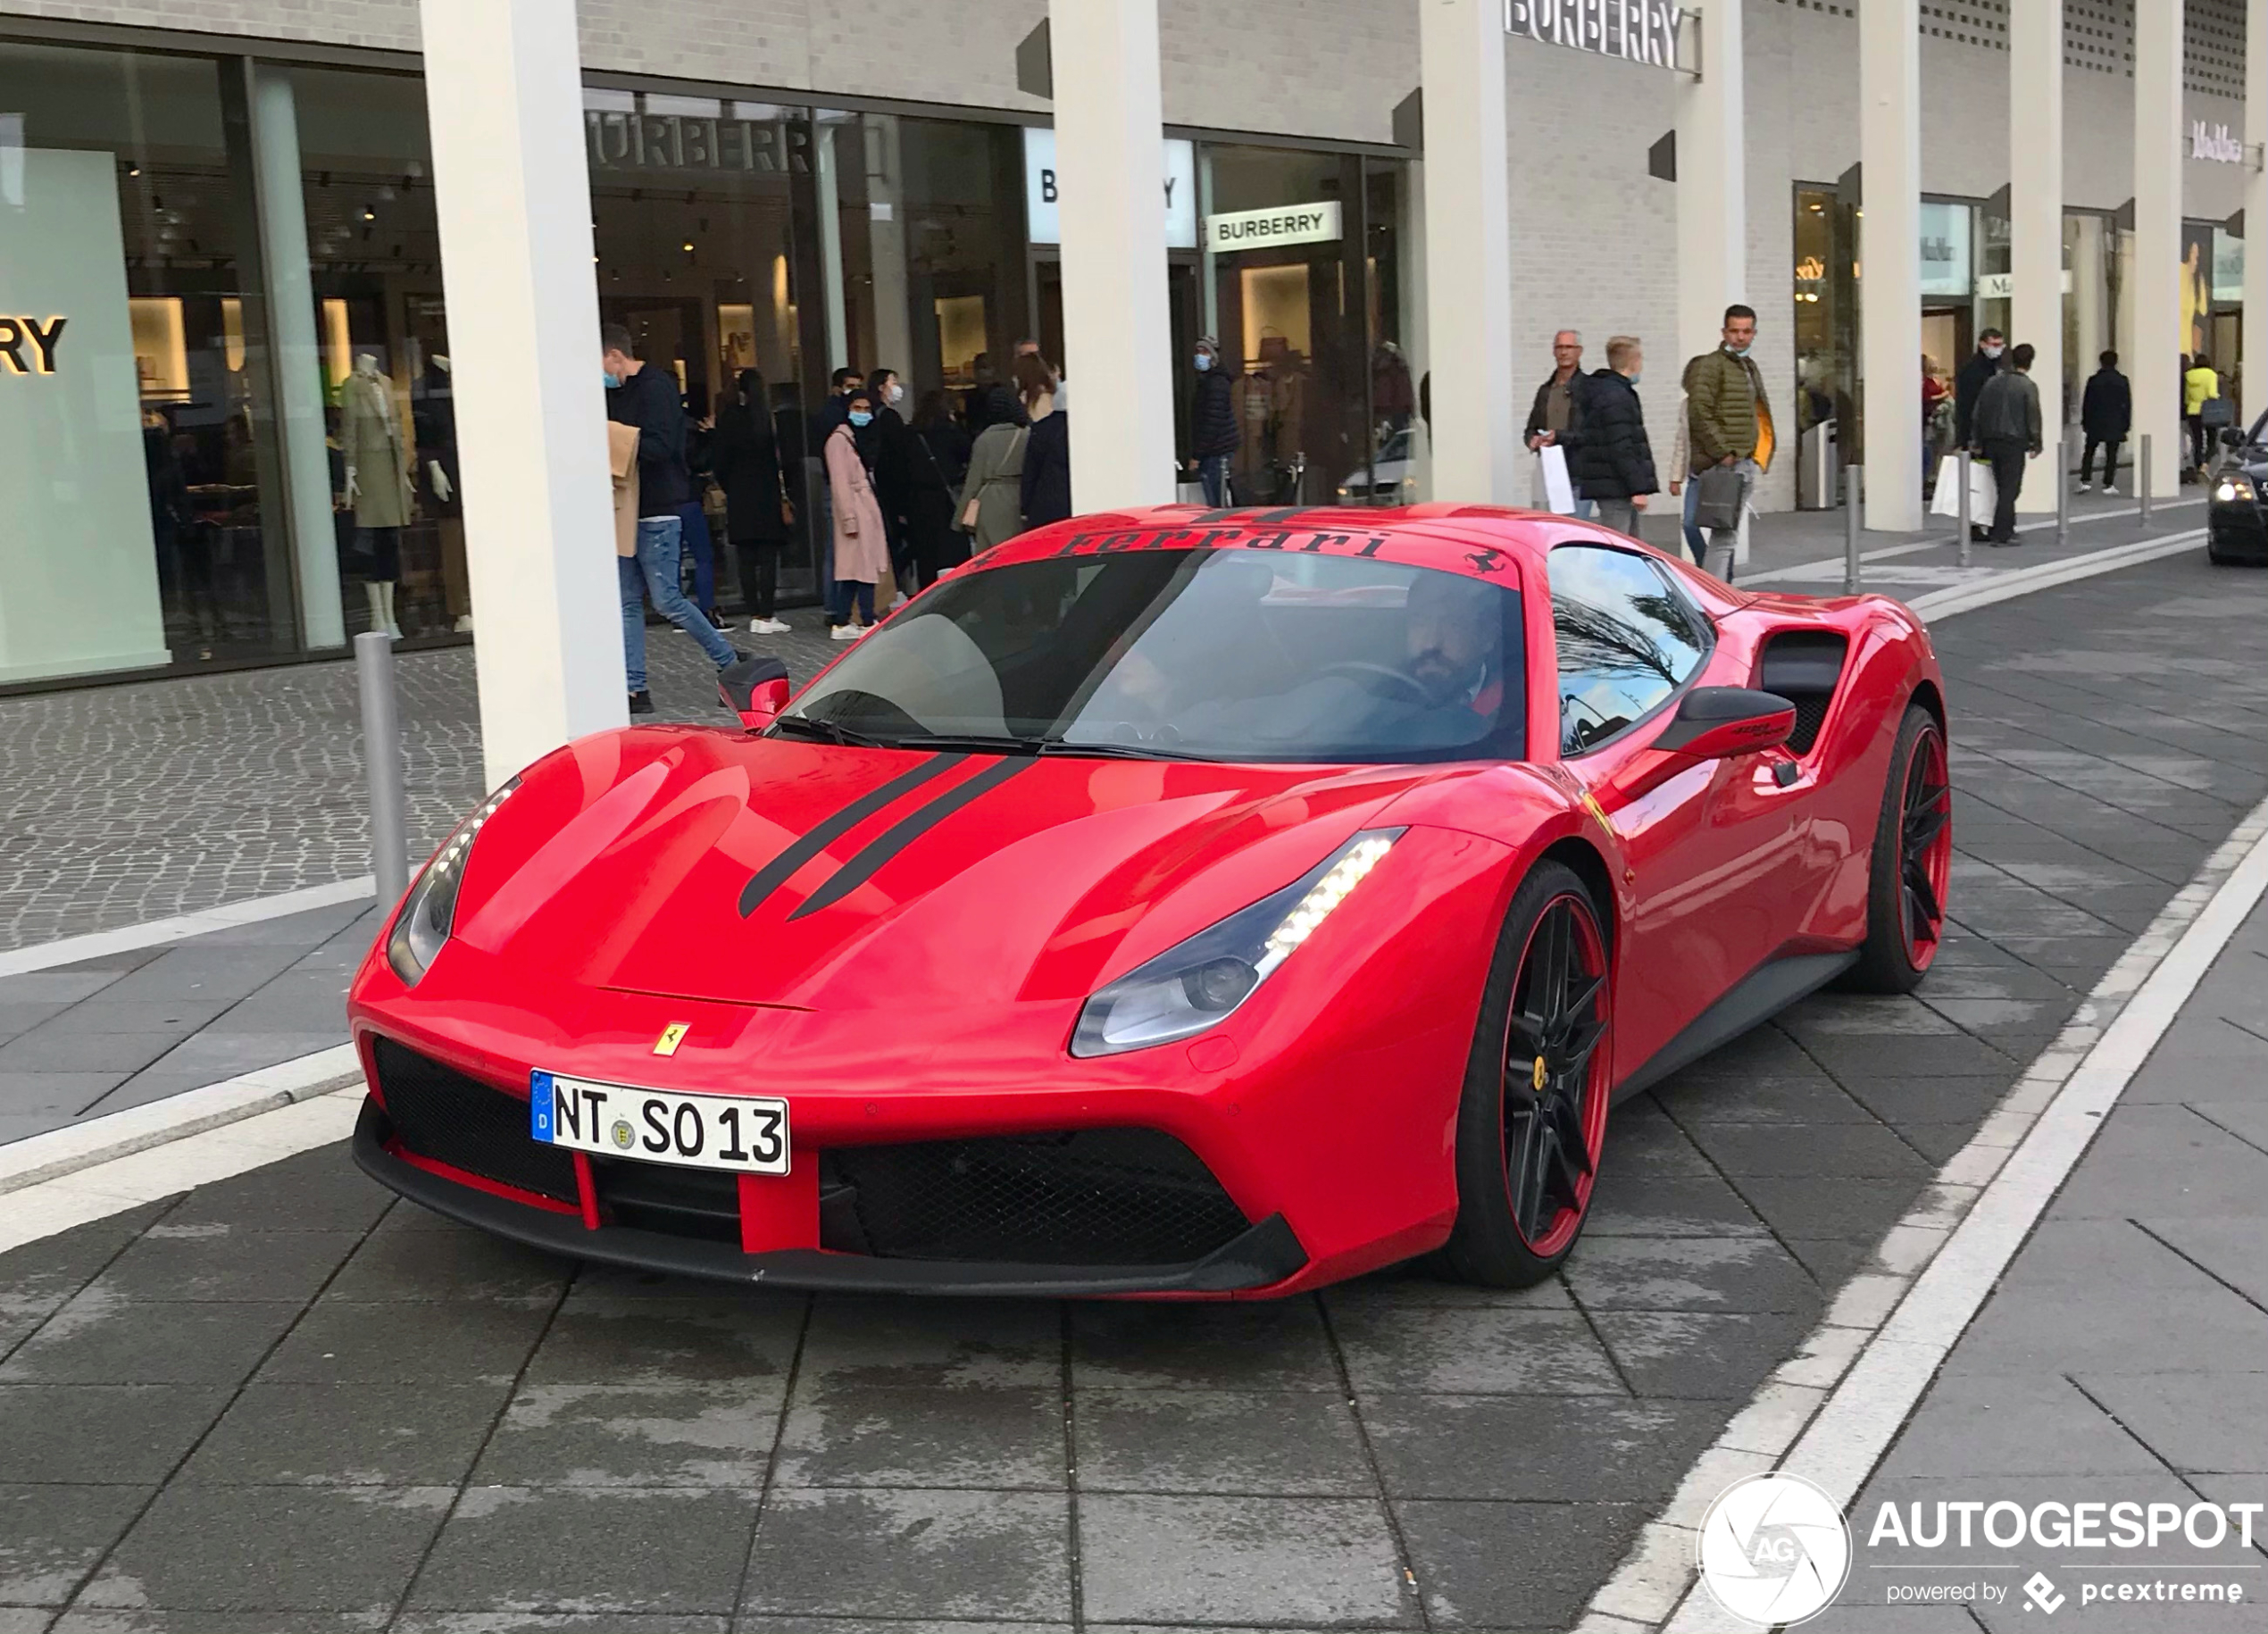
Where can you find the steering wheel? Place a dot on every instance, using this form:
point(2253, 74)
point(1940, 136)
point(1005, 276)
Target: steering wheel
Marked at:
point(1411, 687)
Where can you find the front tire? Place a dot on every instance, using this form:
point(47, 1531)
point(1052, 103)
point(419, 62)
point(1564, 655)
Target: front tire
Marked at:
point(1913, 862)
point(1533, 1116)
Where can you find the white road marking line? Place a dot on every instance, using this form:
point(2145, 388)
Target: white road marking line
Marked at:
point(78, 1148)
point(1880, 1342)
point(2000, 587)
point(156, 932)
point(1831, 567)
point(50, 1206)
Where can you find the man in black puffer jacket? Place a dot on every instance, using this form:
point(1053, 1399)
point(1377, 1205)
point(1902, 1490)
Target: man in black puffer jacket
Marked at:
point(1609, 457)
point(1214, 432)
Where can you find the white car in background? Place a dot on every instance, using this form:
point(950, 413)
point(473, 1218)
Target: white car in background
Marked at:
point(1391, 480)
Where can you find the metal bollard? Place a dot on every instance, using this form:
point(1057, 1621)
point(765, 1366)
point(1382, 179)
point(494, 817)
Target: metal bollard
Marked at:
point(1853, 476)
point(382, 764)
point(1967, 523)
point(2142, 476)
point(2062, 492)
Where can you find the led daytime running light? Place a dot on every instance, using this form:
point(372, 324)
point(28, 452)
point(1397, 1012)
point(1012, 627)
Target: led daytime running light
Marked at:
point(1327, 893)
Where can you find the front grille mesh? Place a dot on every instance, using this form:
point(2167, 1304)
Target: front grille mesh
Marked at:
point(440, 1113)
point(1110, 1196)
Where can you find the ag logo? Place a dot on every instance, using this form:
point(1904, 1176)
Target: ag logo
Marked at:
point(621, 1134)
point(1774, 1549)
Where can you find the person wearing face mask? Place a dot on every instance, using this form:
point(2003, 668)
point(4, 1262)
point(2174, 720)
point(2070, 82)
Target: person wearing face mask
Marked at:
point(1609, 457)
point(1728, 421)
point(889, 445)
point(1214, 432)
point(862, 557)
point(1968, 386)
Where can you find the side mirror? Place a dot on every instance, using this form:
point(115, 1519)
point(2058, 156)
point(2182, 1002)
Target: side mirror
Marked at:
point(756, 688)
point(2231, 438)
point(1717, 721)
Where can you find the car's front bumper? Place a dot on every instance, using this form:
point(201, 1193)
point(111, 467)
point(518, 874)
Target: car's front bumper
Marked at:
point(2237, 531)
point(1265, 1254)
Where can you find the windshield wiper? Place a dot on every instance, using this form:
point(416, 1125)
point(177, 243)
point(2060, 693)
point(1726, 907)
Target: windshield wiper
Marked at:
point(984, 744)
point(825, 731)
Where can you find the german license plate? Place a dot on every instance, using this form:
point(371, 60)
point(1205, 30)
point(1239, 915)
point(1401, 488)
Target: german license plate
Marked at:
point(747, 1134)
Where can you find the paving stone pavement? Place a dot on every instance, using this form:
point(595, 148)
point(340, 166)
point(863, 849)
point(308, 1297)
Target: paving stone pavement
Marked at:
point(284, 1403)
point(2122, 1356)
point(122, 804)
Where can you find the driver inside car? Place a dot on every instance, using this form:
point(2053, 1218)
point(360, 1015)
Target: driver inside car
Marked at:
point(1448, 689)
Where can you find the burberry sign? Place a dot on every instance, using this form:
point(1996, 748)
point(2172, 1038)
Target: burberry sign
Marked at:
point(1639, 30)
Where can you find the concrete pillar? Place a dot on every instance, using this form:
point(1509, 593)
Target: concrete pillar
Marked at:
point(1110, 146)
point(2090, 288)
point(2155, 366)
point(2255, 318)
point(299, 363)
point(503, 98)
point(2036, 219)
point(1468, 251)
point(1889, 258)
point(1713, 192)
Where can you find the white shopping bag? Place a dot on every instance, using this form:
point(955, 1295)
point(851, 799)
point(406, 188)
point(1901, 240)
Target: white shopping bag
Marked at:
point(1559, 490)
point(1946, 501)
point(1190, 493)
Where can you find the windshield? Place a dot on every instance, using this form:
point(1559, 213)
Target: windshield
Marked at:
point(1220, 654)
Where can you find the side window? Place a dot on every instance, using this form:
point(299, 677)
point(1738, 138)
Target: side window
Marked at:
point(1627, 640)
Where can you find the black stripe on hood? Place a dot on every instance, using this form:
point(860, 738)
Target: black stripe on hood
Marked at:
point(902, 833)
point(777, 873)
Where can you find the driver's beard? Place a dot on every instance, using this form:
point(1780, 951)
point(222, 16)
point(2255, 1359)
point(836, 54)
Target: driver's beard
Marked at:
point(1439, 678)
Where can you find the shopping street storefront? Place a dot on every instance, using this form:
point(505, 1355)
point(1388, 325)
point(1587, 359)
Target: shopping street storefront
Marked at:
point(240, 446)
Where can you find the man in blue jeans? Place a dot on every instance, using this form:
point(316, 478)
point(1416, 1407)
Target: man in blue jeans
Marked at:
point(647, 399)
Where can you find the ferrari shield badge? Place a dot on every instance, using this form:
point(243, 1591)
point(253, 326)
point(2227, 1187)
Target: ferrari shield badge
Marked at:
point(671, 1037)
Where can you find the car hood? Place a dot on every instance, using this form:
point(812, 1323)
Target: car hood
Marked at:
point(696, 865)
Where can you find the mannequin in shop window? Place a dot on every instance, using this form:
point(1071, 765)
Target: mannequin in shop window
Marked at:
point(378, 484)
point(433, 418)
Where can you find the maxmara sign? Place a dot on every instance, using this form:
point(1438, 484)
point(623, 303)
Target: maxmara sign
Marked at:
point(1639, 31)
point(2213, 142)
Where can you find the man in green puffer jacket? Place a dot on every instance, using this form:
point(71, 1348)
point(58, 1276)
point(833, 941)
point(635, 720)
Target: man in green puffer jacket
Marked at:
point(1729, 421)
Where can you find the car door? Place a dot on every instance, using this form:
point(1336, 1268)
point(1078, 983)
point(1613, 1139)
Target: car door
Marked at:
point(1709, 860)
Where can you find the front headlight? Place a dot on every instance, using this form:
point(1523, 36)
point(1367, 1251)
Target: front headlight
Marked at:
point(2233, 490)
point(1201, 981)
point(430, 908)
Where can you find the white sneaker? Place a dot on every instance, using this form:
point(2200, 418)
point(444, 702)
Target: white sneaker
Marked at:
point(844, 632)
point(2108, 489)
point(464, 624)
point(2088, 488)
point(768, 626)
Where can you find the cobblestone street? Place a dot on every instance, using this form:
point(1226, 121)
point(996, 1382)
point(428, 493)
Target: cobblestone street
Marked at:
point(284, 1403)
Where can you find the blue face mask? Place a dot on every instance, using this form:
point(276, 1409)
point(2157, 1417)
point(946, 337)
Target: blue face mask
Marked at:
point(861, 417)
point(613, 380)
point(1203, 361)
point(1635, 379)
point(1738, 351)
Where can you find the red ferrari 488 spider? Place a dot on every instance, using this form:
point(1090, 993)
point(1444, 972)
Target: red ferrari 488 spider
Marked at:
point(1176, 903)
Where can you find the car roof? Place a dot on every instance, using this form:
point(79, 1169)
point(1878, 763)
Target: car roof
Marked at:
point(1479, 541)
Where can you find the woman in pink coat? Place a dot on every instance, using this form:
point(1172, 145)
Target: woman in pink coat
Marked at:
point(861, 550)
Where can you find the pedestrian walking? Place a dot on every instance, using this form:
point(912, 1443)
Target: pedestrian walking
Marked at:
point(1728, 423)
point(2200, 386)
point(1044, 486)
point(2007, 428)
point(2106, 414)
point(1214, 432)
point(1682, 486)
point(940, 463)
point(889, 441)
point(992, 494)
point(1609, 457)
point(1062, 388)
point(1555, 411)
point(699, 547)
point(860, 556)
point(647, 399)
point(743, 451)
